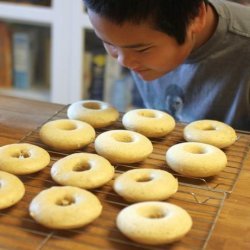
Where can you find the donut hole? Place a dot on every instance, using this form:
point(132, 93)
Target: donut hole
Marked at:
point(153, 212)
point(195, 149)
point(65, 201)
point(92, 105)
point(83, 166)
point(147, 114)
point(126, 138)
point(68, 126)
point(209, 127)
point(23, 154)
point(144, 179)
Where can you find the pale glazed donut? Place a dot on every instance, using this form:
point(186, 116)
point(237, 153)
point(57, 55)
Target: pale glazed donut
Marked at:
point(211, 132)
point(97, 113)
point(123, 146)
point(11, 189)
point(154, 222)
point(145, 184)
point(149, 122)
point(83, 170)
point(65, 134)
point(65, 207)
point(196, 159)
point(23, 158)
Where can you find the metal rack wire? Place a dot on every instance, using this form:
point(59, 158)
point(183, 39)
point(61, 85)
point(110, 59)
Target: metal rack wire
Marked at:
point(202, 198)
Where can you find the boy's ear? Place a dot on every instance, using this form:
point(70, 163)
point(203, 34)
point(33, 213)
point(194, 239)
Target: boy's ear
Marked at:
point(199, 22)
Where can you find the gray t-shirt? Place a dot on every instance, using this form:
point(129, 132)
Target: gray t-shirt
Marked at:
point(214, 82)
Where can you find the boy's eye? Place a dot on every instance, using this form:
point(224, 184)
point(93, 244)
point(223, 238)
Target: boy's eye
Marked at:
point(142, 50)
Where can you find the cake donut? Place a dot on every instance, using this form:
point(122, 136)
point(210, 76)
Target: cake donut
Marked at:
point(149, 122)
point(211, 132)
point(154, 222)
point(123, 146)
point(83, 170)
point(145, 184)
point(23, 158)
point(65, 207)
point(66, 135)
point(97, 113)
point(11, 189)
point(196, 159)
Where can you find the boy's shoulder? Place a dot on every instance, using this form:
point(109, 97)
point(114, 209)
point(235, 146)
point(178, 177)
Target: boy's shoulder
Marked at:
point(237, 16)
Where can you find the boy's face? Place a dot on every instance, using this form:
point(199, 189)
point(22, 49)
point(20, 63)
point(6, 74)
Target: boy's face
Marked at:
point(146, 51)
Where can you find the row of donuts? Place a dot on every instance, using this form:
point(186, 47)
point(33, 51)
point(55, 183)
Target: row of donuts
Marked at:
point(72, 205)
point(151, 123)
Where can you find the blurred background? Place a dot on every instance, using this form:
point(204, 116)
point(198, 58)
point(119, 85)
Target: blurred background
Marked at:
point(49, 52)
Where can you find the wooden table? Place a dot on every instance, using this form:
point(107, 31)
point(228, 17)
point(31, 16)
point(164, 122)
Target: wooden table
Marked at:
point(232, 229)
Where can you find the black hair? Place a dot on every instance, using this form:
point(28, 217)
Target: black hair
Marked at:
point(168, 16)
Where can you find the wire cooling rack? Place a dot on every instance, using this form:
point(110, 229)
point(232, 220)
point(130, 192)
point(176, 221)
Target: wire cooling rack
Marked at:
point(223, 182)
point(202, 198)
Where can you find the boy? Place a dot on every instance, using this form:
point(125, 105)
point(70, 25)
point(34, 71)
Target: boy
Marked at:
point(190, 58)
